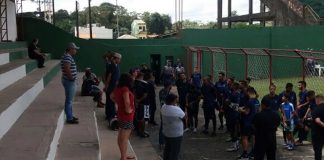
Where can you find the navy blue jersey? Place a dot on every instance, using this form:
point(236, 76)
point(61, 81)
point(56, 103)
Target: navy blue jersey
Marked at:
point(234, 100)
point(196, 79)
point(312, 105)
point(244, 98)
point(302, 99)
point(221, 88)
point(208, 92)
point(275, 102)
point(253, 105)
point(292, 98)
point(151, 92)
point(183, 88)
point(193, 93)
point(141, 88)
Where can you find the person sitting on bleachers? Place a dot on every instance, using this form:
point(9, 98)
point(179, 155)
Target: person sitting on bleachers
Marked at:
point(34, 52)
point(90, 87)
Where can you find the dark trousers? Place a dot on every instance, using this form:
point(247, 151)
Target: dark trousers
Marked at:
point(302, 134)
point(193, 110)
point(317, 146)
point(172, 148)
point(209, 113)
point(152, 111)
point(110, 109)
point(40, 59)
point(265, 148)
point(161, 136)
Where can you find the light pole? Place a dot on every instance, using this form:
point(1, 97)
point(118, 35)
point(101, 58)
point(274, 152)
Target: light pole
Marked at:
point(77, 17)
point(117, 19)
point(90, 25)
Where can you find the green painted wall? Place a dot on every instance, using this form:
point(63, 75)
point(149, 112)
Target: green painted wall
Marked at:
point(136, 52)
point(300, 37)
point(229, 38)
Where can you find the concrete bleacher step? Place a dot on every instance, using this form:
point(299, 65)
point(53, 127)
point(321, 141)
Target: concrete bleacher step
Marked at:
point(8, 55)
point(34, 136)
point(16, 98)
point(80, 141)
point(15, 70)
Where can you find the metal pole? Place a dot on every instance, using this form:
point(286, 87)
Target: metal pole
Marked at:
point(250, 11)
point(117, 19)
point(90, 23)
point(53, 12)
point(39, 6)
point(246, 63)
point(175, 19)
point(270, 64)
point(303, 64)
point(77, 17)
point(220, 14)
point(230, 13)
point(226, 67)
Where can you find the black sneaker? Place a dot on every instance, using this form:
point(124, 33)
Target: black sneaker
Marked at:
point(73, 121)
point(243, 156)
point(75, 118)
point(221, 127)
point(213, 134)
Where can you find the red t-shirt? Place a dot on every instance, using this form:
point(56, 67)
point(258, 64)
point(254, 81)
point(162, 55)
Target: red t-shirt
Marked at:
point(121, 113)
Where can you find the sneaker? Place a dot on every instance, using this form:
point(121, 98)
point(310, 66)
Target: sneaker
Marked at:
point(221, 127)
point(234, 148)
point(75, 118)
point(72, 121)
point(186, 130)
point(195, 130)
point(285, 144)
point(243, 156)
point(251, 155)
point(290, 147)
point(229, 139)
point(213, 134)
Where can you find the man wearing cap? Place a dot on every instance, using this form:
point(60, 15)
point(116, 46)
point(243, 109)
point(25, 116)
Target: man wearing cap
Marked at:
point(265, 124)
point(69, 75)
point(111, 79)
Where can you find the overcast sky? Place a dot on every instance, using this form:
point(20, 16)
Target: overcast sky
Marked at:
point(202, 10)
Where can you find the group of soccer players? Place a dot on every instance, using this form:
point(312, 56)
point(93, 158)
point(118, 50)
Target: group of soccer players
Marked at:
point(236, 103)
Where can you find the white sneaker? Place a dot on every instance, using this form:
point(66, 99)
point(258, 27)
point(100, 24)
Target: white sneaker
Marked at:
point(195, 130)
point(186, 130)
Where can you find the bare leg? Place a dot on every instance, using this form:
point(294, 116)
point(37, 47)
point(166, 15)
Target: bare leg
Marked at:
point(123, 137)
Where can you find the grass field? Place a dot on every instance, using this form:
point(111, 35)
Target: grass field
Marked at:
point(313, 83)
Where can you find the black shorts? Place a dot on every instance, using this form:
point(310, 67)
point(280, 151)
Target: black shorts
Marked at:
point(125, 125)
point(246, 130)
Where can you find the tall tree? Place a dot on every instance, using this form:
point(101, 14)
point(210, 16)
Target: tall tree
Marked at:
point(156, 24)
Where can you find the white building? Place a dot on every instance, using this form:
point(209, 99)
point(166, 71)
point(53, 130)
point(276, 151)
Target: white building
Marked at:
point(139, 29)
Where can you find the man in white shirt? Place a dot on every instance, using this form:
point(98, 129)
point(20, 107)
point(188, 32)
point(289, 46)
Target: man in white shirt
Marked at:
point(172, 117)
